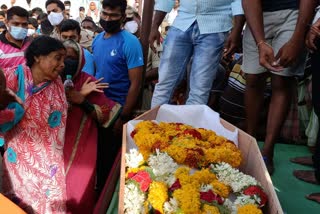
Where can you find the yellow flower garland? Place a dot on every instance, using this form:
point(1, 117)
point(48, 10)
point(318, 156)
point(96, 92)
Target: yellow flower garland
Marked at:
point(249, 209)
point(210, 209)
point(185, 144)
point(188, 195)
point(158, 195)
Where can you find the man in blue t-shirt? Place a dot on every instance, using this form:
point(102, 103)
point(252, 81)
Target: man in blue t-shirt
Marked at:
point(273, 45)
point(119, 60)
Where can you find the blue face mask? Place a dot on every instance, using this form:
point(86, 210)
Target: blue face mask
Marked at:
point(18, 33)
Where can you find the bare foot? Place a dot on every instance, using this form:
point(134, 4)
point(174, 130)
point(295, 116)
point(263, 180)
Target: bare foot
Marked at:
point(306, 175)
point(303, 160)
point(314, 197)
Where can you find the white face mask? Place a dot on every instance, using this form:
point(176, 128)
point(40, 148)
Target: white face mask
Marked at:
point(31, 32)
point(55, 18)
point(131, 26)
point(89, 32)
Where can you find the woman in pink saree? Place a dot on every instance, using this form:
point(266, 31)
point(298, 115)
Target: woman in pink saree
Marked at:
point(33, 133)
point(89, 108)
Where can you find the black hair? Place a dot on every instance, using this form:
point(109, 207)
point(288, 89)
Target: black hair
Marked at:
point(37, 10)
point(2, 13)
point(18, 11)
point(81, 8)
point(2, 25)
point(67, 2)
point(42, 16)
point(114, 4)
point(33, 22)
point(89, 19)
point(46, 27)
point(3, 7)
point(99, 30)
point(42, 46)
point(58, 2)
point(70, 24)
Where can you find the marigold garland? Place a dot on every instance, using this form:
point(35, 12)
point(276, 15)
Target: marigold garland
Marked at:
point(195, 147)
point(171, 188)
point(249, 209)
point(158, 195)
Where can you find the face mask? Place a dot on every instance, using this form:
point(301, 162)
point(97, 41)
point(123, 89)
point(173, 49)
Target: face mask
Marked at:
point(31, 32)
point(110, 26)
point(55, 18)
point(90, 33)
point(18, 33)
point(131, 26)
point(70, 67)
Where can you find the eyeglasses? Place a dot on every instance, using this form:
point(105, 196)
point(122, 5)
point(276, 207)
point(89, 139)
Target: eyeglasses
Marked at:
point(110, 15)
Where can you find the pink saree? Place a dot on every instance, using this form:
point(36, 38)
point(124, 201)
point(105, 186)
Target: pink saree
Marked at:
point(33, 166)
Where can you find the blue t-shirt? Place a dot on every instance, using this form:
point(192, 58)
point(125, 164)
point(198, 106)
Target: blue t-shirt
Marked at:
point(114, 57)
point(89, 65)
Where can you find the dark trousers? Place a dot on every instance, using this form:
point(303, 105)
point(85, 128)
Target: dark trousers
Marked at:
point(315, 68)
point(108, 147)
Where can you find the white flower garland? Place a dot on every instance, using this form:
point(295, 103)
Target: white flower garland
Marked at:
point(233, 177)
point(134, 158)
point(133, 199)
point(164, 168)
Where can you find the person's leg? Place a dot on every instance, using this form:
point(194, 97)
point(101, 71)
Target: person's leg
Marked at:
point(254, 99)
point(282, 87)
point(313, 176)
point(207, 54)
point(177, 51)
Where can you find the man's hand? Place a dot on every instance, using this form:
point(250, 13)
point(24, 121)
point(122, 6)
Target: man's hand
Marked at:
point(95, 86)
point(312, 36)
point(267, 59)
point(154, 36)
point(231, 45)
point(289, 52)
point(74, 96)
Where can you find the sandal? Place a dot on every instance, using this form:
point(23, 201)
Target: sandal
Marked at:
point(269, 164)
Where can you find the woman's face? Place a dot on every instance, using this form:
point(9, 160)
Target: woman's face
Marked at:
point(52, 64)
point(71, 53)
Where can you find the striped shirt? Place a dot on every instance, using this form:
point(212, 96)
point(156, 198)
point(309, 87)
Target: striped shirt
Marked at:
point(10, 54)
point(213, 16)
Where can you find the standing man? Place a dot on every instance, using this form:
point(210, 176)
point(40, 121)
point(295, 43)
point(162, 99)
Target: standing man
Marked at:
point(200, 29)
point(14, 41)
point(273, 45)
point(55, 10)
point(119, 60)
point(313, 176)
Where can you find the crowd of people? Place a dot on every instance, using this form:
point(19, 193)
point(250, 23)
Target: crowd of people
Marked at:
point(59, 141)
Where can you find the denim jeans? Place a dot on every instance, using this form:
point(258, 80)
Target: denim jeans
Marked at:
point(179, 46)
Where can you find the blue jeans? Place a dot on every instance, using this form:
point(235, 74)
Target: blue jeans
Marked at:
point(178, 49)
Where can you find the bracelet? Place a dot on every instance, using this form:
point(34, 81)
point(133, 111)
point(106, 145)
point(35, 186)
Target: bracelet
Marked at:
point(124, 118)
point(263, 42)
point(87, 106)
